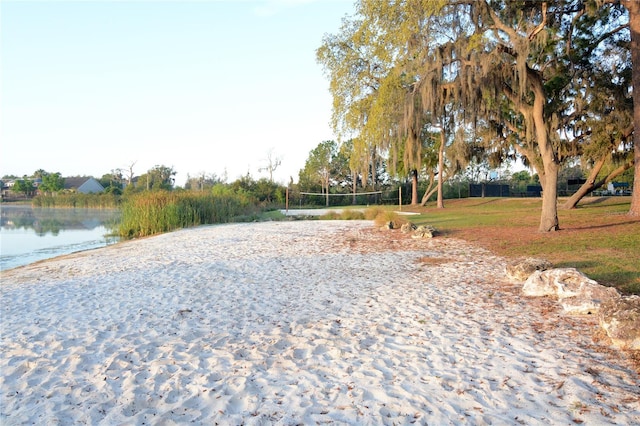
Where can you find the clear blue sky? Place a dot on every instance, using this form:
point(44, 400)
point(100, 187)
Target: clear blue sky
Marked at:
point(200, 86)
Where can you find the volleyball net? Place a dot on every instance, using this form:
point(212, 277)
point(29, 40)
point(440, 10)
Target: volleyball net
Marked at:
point(350, 194)
point(370, 197)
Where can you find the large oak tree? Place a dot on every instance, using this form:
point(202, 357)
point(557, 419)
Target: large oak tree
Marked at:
point(633, 6)
point(508, 66)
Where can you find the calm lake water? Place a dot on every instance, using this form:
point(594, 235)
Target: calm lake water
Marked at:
point(30, 234)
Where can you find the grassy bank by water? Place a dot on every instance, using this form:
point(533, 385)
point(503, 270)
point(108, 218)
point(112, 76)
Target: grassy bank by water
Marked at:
point(597, 238)
point(152, 213)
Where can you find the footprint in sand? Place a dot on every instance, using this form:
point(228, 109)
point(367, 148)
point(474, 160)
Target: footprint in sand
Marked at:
point(141, 378)
point(235, 405)
point(282, 344)
point(300, 353)
point(172, 397)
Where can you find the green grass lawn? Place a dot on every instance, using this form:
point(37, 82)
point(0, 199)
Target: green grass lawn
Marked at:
point(598, 238)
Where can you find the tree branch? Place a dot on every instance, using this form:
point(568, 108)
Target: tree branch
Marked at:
point(542, 24)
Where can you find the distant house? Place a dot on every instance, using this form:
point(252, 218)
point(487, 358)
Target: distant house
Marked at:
point(84, 185)
point(7, 193)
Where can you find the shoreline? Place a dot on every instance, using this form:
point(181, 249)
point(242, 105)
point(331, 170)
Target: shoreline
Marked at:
point(301, 321)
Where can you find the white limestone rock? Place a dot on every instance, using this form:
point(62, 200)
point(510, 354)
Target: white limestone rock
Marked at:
point(620, 318)
point(521, 269)
point(577, 293)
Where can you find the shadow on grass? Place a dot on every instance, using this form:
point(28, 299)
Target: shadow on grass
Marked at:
point(578, 265)
point(603, 226)
point(601, 205)
point(591, 201)
point(447, 232)
point(626, 282)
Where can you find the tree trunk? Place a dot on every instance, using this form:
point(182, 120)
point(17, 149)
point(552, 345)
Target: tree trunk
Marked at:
point(355, 186)
point(414, 187)
point(440, 202)
point(327, 202)
point(326, 187)
point(633, 6)
point(588, 186)
point(549, 216)
point(595, 185)
point(430, 189)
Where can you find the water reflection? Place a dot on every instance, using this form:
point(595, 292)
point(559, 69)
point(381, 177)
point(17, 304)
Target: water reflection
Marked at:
point(29, 234)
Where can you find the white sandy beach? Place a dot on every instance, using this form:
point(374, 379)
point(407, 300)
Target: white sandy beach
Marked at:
point(302, 322)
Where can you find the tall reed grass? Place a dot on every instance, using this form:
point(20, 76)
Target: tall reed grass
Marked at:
point(152, 213)
point(77, 200)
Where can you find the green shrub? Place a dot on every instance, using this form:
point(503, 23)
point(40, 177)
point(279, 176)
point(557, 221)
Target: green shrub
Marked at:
point(330, 215)
point(386, 216)
point(372, 213)
point(351, 214)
